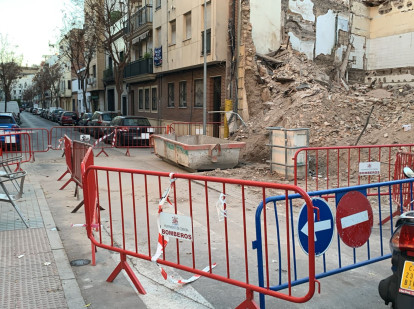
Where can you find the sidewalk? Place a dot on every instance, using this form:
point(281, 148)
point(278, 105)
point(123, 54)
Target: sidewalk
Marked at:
point(34, 268)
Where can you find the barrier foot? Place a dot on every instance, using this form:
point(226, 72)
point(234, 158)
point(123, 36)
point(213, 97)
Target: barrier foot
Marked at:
point(127, 152)
point(249, 303)
point(102, 151)
point(123, 265)
point(93, 254)
point(60, 178)
point(77, 207)
point(395, 213)
point(67, 182)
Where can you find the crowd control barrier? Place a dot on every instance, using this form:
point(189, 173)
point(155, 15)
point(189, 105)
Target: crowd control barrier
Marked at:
point(75, 152)
point(57, 133)
point(39, 138)
point(352, 214)
point(16, 147)
point(402, 194)
point(317, 168)
point(184, 222)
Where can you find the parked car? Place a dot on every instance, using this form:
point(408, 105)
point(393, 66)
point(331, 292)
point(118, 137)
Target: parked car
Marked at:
point(52, 110)
point(34, 111)
point(84, 122)
point(55, 114)
point(44, 113)
point(39, 111)
point(100, 119)
point(132, 131)
point(68, 118)
point(8, 124)
point(59, 114)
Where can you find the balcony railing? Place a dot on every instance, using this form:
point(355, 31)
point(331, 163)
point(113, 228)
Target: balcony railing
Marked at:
point(108, 75)
point(140, 18)
point(139, 67)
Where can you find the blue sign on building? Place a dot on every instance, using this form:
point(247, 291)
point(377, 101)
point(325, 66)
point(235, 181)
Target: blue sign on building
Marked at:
point(324, 227)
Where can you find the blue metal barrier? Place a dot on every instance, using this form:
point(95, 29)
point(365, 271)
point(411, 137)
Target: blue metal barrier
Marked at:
point(334, 260)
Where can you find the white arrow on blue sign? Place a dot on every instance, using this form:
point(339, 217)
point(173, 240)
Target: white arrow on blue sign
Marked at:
point(324, 227)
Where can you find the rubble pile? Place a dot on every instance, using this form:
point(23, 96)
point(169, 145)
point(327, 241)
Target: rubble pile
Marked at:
point(293, 92)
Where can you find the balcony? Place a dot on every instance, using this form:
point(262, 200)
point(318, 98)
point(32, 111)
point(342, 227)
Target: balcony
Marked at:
point(139, 70)
point(108, 75)
point(141, 21)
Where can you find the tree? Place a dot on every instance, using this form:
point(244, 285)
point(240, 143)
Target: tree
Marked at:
point(54, 74)
point(10, 70)
point(79, 46)
point(29, 94)
point(111, 22)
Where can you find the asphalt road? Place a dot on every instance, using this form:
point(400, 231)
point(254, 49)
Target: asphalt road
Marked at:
point(352, 289)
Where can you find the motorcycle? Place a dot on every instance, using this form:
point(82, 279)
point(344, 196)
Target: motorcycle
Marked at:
point(398, 288)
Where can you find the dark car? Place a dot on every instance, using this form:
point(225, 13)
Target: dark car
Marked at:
point(58, 115)
point(84, 122)
point(131, 131)
point(8, 124)
point(68, 118)
point(100, 119)
point(54, 115)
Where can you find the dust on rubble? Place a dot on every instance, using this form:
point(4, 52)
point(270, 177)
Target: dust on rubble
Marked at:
point(301, 94)
point(293, 92)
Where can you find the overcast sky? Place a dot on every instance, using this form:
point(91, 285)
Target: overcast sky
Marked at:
point(31, 25)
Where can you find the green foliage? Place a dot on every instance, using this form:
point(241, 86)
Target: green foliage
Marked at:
point(115, 16)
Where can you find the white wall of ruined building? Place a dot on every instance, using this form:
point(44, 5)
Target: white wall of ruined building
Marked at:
point(266, 18)
point(390, 47)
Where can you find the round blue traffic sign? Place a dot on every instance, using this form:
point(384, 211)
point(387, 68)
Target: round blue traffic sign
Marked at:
point(324, 227)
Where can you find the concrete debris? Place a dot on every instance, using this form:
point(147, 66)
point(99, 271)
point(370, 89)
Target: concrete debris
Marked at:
point(299, 93)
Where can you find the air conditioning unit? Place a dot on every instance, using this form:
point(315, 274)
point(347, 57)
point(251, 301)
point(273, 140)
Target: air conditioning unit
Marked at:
point(91, 80)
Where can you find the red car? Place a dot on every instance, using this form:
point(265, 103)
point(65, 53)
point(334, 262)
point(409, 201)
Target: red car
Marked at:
point(68, 118)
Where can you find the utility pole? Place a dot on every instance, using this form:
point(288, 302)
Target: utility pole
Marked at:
point(205, 72)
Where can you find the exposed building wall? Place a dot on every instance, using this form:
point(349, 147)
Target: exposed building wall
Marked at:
point(389, 47)
point(266, 18)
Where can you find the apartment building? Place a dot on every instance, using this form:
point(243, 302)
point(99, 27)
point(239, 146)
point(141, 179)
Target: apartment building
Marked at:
point(164, 80)
point(95, 84)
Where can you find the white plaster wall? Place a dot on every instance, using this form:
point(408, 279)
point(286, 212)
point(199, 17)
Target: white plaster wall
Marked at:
point(394, 51)
point(305, 47)
point(325, 33)
point(358, 43)
point(265, 17)
point(303, 8)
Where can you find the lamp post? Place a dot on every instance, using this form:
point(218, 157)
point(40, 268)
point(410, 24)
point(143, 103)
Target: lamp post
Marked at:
point(205, 72)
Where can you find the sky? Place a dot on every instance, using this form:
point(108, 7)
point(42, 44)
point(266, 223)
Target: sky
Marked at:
point(30, 25)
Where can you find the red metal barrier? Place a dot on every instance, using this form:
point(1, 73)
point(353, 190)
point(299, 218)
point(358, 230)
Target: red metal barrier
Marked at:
point(195, 128)
point(16, 145)
point(208, 216)
point(39, 138)
point(68, 158)
point(317, 168)
point(401, 194)
point(72, 132)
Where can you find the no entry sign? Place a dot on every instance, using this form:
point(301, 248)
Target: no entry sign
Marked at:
point(354, 219)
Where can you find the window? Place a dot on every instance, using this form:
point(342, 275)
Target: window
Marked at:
point(198, 93)
point(158, 37)
point(158, 4)
point(187, 26)
point(69, 84)
point(154, 98)
point(140, 99)
point(94, 70)
point(208, 42)
point(170, 94)
point(147, 98)
point(173, 32)
point(183, 94)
